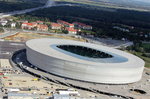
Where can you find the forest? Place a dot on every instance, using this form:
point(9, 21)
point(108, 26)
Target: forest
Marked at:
point(13, 5)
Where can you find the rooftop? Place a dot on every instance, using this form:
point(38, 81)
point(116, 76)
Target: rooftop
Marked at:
point(49, 47)
point(55, 24)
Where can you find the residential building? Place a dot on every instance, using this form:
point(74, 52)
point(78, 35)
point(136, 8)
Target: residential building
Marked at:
point(71, 30)
point(3, 22)
point(121, 29)
point(42, 27)
point(71, 25)
point(87, 27)
point(82, 26)
point(34, 24)
point(56, 26)
point(39, 22)
point(13, 25)
point(28, 25)
point(65, 24)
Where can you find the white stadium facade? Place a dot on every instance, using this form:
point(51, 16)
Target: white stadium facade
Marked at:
point(84, 61)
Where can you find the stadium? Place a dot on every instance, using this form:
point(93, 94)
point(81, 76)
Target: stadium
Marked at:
point(84, 61)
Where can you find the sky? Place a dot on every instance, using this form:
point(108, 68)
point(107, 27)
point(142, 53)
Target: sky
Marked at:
point(142, 0)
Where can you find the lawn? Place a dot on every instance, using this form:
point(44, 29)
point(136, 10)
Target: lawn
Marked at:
point(146, 45)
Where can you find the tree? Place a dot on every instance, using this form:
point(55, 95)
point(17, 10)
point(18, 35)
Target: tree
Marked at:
point(1, 30)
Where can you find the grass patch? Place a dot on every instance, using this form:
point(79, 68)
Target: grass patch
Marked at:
point(146, 45)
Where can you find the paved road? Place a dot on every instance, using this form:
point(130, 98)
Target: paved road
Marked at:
point(7, 48)
point(8, 34)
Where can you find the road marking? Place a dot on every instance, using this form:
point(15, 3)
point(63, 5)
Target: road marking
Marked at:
point(5, 53)
point(16, 44)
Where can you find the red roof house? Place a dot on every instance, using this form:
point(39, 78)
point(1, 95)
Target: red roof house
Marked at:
point(40, 22)
point(66, 24)
point(28, 25)
point(42, 27)
point(56, 26)
point(71, 30)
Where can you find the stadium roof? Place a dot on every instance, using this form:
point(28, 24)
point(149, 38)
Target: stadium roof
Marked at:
point(50, 47)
